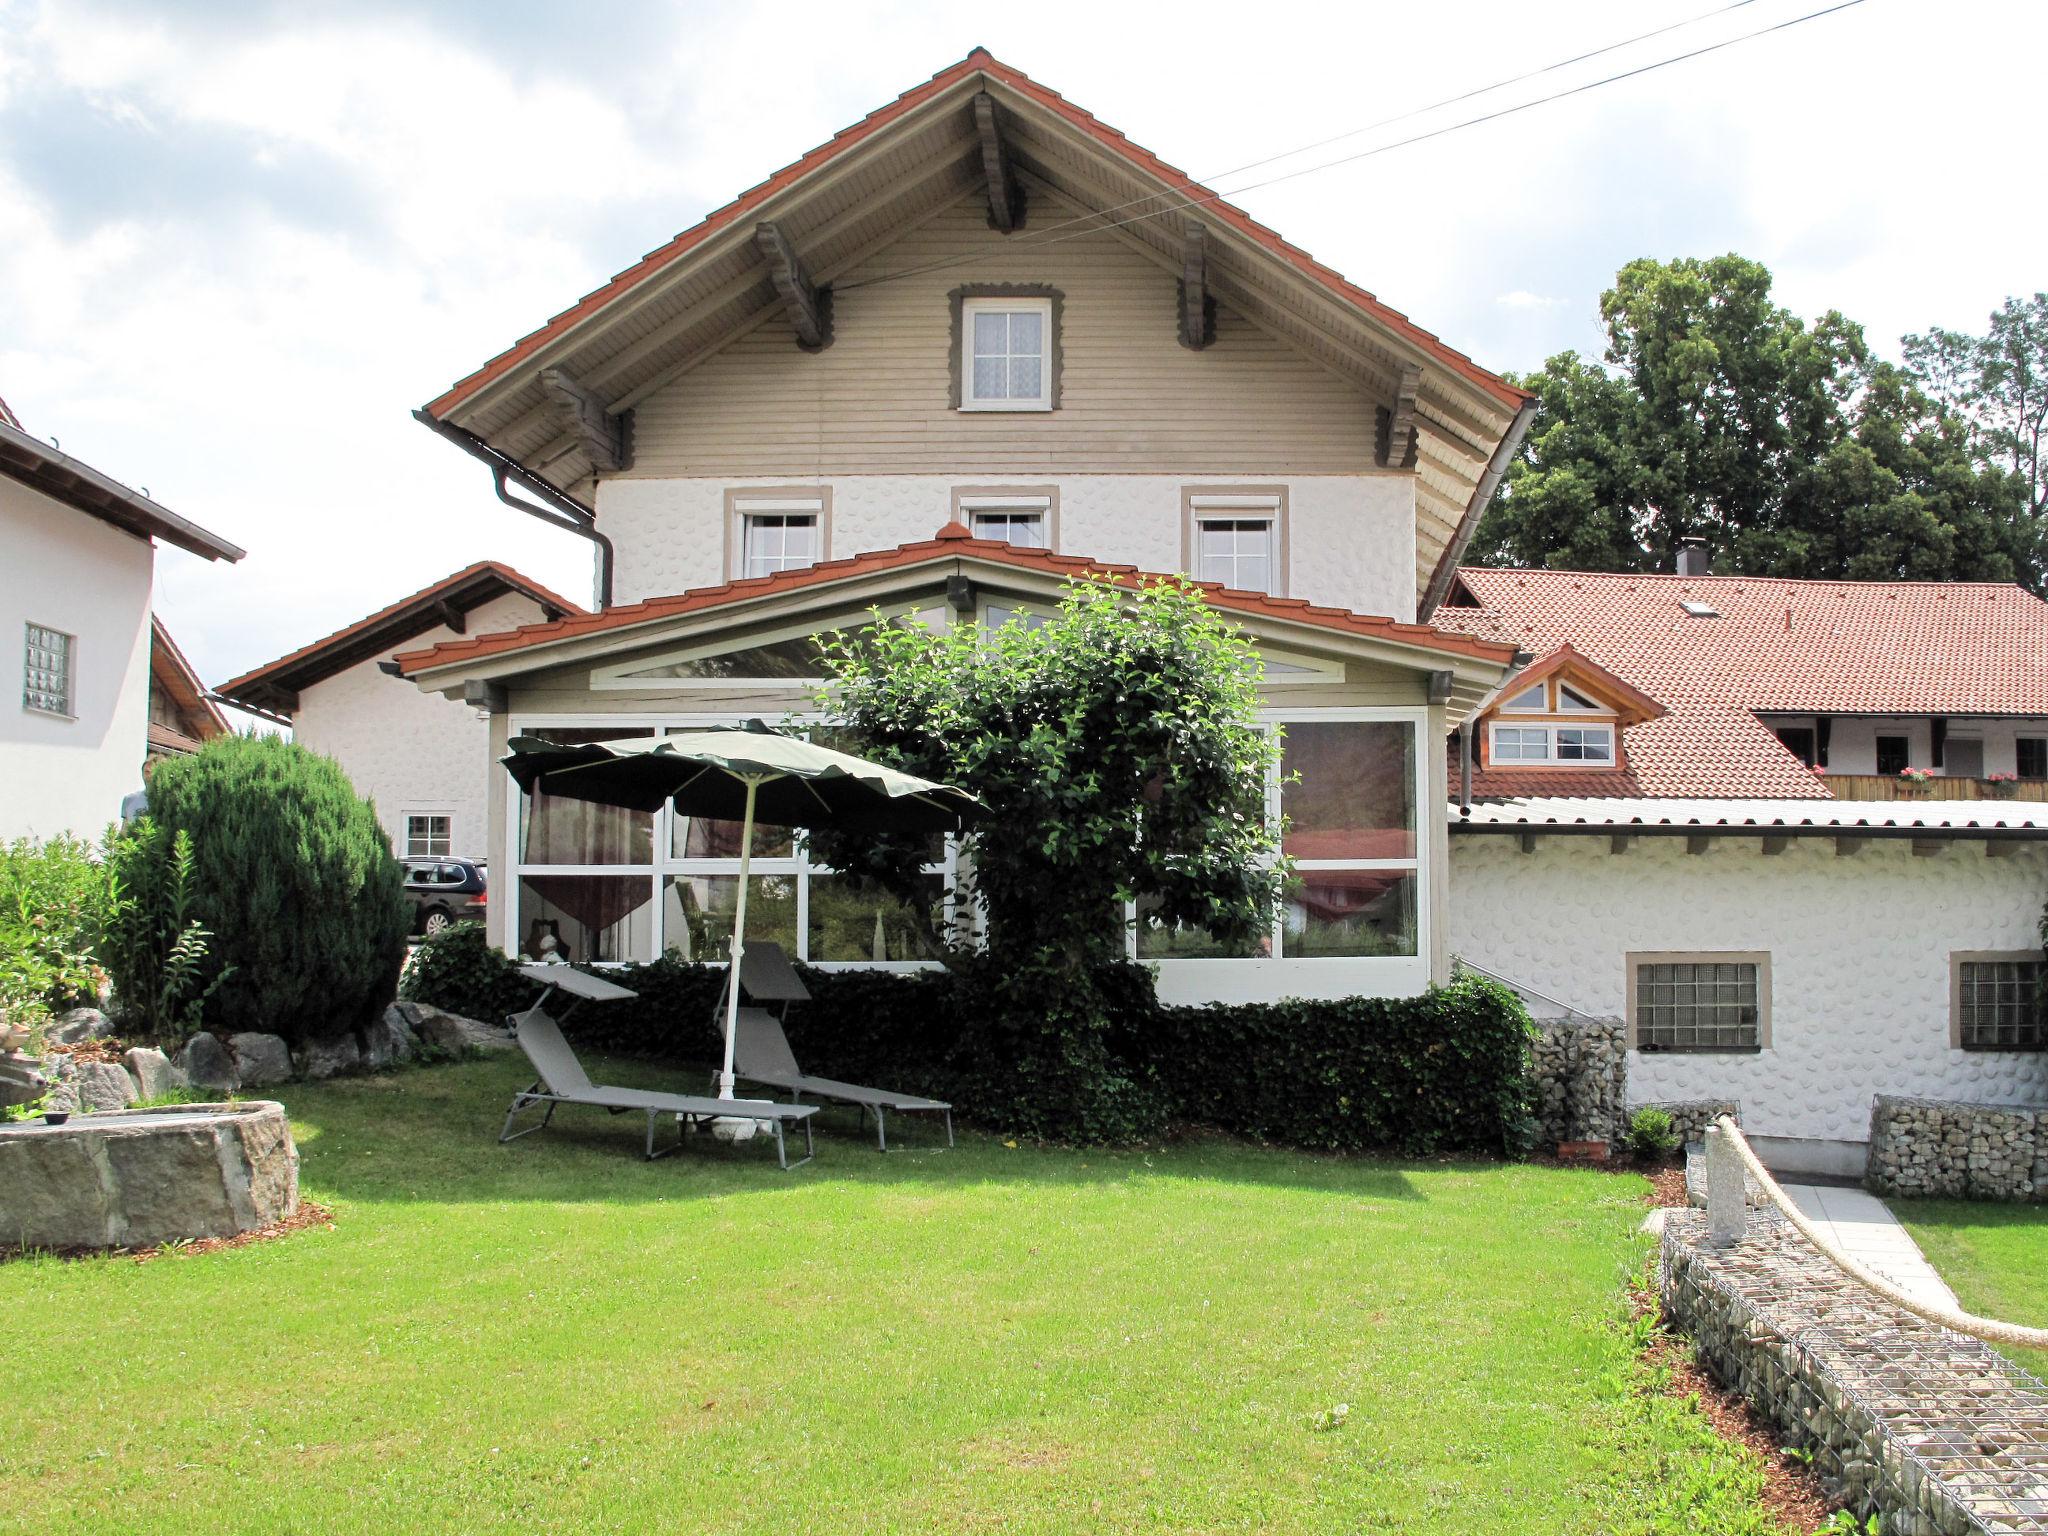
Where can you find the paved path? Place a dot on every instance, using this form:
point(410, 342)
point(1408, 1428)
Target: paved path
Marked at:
point(1863, 1227)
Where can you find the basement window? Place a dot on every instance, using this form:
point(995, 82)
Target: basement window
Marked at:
point(1713, 1002)
point(1997, 1002)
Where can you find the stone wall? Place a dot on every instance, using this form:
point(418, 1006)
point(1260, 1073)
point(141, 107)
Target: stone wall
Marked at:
point(1930, 1147)
point(1938, 1433)
point(1691, 1117)
point(1582, 1080)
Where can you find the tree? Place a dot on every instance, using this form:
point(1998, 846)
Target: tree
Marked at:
point(1117, 748)
point(294, 882)
point(1722, 415)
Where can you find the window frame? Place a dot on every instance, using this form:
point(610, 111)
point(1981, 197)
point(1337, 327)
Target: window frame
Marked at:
point(1633, 961)
point(744, 503)
point(1905, 741)
point(1202, 504)
point(2039, 746)
point(970, 503)
point(1961, 957)
point(446, 851)
point(1040, 302)
point(68, 705)
point(1550, 726)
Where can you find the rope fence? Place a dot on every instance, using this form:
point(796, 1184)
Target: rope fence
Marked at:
point(1730, 1156)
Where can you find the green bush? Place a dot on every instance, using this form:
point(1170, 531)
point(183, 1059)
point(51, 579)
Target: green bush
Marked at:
point(458, 970)
point(54, 897)
point(1652, 1135)
point(154, 949)
point(293, 878)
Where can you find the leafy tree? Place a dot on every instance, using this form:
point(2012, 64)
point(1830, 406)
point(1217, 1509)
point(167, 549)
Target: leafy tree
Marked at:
point(1722, 415)
point(293, 880)
point(1117, 747)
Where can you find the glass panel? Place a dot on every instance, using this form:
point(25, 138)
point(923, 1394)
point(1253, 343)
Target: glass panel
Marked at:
point(703, 837)
point(991, 333)
point(1027, 333)
point(587, 917)
point(1159, 941)
point(1530, 700)
point(796, 658)
point(555, 830)
point(697, 912)
point(1024, 529)
point(991, 374)
point(1350, 912)
point(1584, 744)
point(1024, 377)
point(1356, 795)
point(1569, 698)
point(846, 924)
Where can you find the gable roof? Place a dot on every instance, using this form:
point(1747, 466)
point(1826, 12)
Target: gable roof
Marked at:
point(1773, 646)
point(171, 673)
point(274, 687)
point(78, 485)
point(952, 543)
point(855, 193)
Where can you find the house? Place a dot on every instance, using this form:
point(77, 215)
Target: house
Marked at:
point(76, 628)
point(182, 716)
point(1699, 808)
point(421, 760)
point(977, 345)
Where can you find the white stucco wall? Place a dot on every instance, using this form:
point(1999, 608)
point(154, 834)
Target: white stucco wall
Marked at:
point(71, 572)
point(407, 750)
point(1351, 538)
point(1859, 951)
point(1852, 740)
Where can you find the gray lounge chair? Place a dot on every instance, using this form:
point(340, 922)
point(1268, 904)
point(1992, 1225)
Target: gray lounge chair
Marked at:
point(761, 1052)
point(563, 1081)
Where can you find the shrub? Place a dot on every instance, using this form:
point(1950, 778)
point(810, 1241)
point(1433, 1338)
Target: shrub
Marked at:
point(53, 904)
point(152, 946)
point(295, 881)
point(1652, 1135)
point(457, 969)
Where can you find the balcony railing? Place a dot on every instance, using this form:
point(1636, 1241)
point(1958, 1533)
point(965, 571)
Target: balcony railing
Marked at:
point(1886, 786)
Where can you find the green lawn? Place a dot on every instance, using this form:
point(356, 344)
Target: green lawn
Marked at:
point(1994, 1257)
point(555, 1335)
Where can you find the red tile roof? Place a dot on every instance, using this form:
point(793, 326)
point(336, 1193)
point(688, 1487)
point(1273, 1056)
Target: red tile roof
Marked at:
point(9, 417)
point(1182, 188)
point(389, 626)
point(950, 542)
point(1798, 647)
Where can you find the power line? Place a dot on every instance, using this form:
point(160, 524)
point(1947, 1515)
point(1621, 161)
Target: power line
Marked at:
point(1367, 154)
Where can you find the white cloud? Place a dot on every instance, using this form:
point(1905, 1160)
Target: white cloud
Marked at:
point(1522, 298)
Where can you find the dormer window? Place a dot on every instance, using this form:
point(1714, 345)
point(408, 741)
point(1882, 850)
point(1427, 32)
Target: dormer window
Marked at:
point(1553, 743)
point(1566, 712)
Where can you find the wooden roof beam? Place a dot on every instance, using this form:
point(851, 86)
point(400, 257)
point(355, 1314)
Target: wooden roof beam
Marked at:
point(1397, 425)
point(808, 307)
point(451, 616)
point(606, 439)
point(1197, 307)
point(1005, 192)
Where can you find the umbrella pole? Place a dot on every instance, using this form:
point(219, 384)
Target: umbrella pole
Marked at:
point(739, 936)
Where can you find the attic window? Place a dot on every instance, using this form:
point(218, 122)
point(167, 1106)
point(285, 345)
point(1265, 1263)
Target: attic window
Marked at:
point(1700, 610)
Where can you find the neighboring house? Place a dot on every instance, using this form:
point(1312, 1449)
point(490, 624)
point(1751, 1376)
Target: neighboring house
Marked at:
point(1693, 810)
point(181, 715)
point(77, 632)
point(924, 368)
point(420, 759)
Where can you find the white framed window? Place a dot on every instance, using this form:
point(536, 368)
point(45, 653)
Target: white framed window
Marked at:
point(1006, 358)
point(1582, 744)
point(46, 670)
point(1572, 702)
point(779, 541)
point(429, 835)
point(1532, 700)
point(1699, 1002)
point(1021, 526)
point(1236, 537)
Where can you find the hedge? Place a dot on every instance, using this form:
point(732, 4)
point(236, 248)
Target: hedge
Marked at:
point(1448, 1071)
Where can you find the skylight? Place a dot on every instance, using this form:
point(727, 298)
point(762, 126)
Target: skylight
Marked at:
point(1700, 610)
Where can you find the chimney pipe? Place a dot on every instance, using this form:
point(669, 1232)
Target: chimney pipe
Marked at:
point(1692, 557)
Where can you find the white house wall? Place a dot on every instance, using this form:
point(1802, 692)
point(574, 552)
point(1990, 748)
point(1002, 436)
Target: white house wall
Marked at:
point(74, 573)
point(1859, 951)
point(410, 751)
point(1852, 739)
point(1350, 538)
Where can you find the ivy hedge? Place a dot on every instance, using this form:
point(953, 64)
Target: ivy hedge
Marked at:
point(1449, 1071)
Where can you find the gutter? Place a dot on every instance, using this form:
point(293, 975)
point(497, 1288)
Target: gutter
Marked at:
point(1447, 566)
point(1854, 830)
point(556, 507)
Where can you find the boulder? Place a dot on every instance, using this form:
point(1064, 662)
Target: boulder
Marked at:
point(261, 1060)
point(330, 1058)
point(104, 1085)
point(207, 1064)
point(21, 1079)
point(453, 1035)
point(155, 1077)
point(78, 1025)
point(390, 1040)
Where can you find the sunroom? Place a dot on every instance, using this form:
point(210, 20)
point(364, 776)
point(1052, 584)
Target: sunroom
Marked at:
point(1357, 699)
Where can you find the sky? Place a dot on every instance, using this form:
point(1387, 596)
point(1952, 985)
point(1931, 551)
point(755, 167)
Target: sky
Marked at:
point(240, 243)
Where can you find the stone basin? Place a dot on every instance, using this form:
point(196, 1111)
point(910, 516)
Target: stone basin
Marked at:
point(139, 1177)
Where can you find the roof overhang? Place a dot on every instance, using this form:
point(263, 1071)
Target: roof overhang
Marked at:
point(176, 677)
point(853, 196)
point(77, 484)
point(1926, 822)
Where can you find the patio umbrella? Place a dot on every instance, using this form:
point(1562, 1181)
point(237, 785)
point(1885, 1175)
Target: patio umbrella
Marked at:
point(751, 774)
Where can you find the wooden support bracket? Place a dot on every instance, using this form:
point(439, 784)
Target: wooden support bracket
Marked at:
point(606, 440)
point(1773, 846)
point(1927, 847)
point(1527, 840)
point(1397, 426)
point(1005, 191)
point(1197, 304)
point(488, 697)
point(1439, 687)
point(451, 616)
point(2000, 848)
point(809, 307)
point(1698, 843)
point(1849, 847)
point(1618, 842)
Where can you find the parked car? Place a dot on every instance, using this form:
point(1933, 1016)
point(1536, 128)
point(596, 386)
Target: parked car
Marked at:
point(445, 891)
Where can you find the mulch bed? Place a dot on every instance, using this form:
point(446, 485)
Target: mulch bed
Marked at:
point(310, 1214)
point(102, 1048)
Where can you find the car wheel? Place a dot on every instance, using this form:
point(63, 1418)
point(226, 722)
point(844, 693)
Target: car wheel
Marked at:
point(436, 921)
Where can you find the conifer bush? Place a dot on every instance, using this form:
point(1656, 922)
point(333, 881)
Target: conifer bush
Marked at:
point(294, 881)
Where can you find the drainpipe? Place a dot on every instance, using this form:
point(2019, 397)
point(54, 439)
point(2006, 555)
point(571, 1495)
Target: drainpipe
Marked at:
point(1465, 769)
point(555, 507)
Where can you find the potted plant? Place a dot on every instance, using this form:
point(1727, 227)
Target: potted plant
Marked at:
point(1914, 781)
point(2002, 786)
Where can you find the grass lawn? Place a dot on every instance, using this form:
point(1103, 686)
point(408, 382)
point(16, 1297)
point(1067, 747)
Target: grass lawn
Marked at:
point(1994, 1257)
point(555, 1335)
